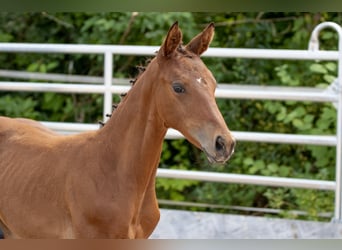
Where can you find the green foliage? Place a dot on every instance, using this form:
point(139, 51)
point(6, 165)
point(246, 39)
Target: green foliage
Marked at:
point(175, 156)
point(311, 162)
point(233, 30)
point(18, 106)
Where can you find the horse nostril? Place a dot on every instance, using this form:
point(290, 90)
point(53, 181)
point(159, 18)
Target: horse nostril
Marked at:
point(220, 144)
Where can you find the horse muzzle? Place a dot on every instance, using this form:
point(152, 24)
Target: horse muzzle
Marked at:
point(222, 150)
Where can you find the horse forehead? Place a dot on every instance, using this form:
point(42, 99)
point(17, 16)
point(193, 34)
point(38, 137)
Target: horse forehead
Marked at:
point(195, 68)
point(202, 74)
point(188, 69)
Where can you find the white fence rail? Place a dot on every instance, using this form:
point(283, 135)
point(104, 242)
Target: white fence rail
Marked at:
point(223, 91)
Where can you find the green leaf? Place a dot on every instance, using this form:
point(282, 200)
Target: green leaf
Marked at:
point(300, 111)
point(248, 161)
point(318, 68)
point(42, 68)
point(331, 66)
point(33, 67)
point(282, 114)
point(329, 78)
point(284, 171)
point(272, 167)
point(260, 164)
point(298, 123)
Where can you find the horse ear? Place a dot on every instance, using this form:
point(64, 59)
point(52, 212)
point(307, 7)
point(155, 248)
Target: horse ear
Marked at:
point(201, 42)
point(171, 42)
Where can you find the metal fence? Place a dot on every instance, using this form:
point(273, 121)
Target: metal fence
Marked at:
point(110, 87)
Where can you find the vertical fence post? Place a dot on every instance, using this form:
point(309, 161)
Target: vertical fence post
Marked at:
point(338, 214)
point(314, 46)
point(108, 76)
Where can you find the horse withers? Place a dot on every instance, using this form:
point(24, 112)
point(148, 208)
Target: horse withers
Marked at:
point(101, 184)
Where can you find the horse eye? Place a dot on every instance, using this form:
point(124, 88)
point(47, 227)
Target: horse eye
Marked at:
point(178, 88)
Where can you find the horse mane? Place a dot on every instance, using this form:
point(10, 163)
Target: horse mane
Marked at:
point(181, 49)
point(141, 69)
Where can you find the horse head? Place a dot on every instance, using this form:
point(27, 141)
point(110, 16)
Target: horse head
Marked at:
point(186, 94)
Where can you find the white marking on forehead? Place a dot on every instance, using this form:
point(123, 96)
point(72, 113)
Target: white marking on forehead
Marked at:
point(199, 80)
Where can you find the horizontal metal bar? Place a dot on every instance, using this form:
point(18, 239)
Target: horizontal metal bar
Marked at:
point(326, 140)
point(77, 48)
point(246, 179)
point(150, 50)
point(223, 91)
point(278, 138)
point(286, 54)
point(74, 128)
point(253, 92)
point(238, 208)
point(62, 87)
point(70, 128)
point(16, 74)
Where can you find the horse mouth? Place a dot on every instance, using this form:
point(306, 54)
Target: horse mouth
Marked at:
point(217, 159)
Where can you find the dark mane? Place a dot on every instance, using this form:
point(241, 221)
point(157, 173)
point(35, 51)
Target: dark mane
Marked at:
point(181, 49)
point(141, 70)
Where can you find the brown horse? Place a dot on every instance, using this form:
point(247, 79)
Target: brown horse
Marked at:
point(101, 184)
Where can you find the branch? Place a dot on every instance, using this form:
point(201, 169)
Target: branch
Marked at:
point(57, 20)
point(257, 20)
point(129, 27)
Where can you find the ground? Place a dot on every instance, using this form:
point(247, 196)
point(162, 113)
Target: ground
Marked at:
point(176, 224)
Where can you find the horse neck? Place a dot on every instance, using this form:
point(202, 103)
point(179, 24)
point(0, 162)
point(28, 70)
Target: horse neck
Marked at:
point(134, 134)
